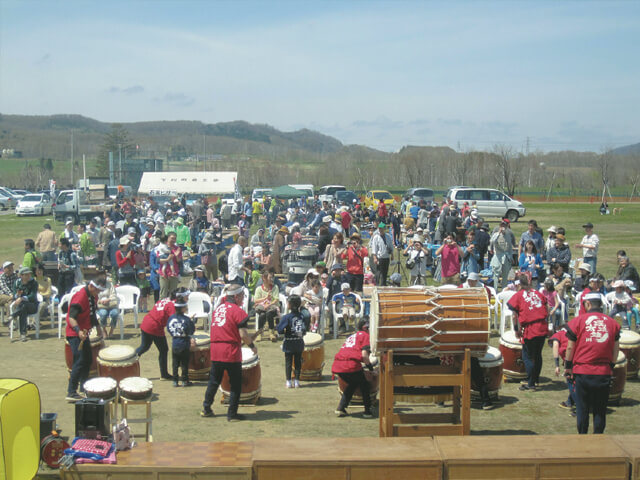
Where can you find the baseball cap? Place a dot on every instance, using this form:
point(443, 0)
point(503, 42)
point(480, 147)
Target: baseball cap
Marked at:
point(382, 225)
point(7, 264)
point(473, 276)
point(337, 266)
point(345, 286)
point(587, 225)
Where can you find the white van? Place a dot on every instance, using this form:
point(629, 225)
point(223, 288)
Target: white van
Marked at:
point(305, 187)
point(490, 202)
point(326, 193)
point(260, 193)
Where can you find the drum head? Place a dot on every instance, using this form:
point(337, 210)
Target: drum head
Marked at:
point(509, 339)
point(100, 385)
point(629, 339)
point(94, 337)
point(493, 358)
point(621, 360)
point(136, 385)
point(117, 353)
point(312, 339)
point(373, 321)
point(248, 357)
point(202, 339)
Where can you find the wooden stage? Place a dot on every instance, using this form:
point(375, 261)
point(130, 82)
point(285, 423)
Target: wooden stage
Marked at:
point(602, 457)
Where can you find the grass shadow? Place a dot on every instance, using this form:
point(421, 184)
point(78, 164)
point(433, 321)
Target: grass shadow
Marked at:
point(262, 415)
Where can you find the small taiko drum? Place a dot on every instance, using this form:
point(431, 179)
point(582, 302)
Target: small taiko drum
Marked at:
point(135, 388)
point(492, 369)
point(97, 344)
point(200, 357)
point(251, 379)
point(52, 449)
point(312, 357)
point(511, 350)
point(373, 379)
point(101, 387)
point(619, 379)
point(429, 321)
point(118, 362)
point(630, 345)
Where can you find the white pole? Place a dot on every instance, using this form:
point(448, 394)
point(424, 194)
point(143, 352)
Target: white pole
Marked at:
point(84, 171)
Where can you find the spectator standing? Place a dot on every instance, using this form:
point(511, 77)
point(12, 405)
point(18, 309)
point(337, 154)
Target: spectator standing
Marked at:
point(589, 245)
point(47, 244)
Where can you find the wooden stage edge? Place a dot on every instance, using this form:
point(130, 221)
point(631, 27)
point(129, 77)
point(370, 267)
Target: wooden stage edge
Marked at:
point(603, 457)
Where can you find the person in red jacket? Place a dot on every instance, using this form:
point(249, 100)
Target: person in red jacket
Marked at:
point(347, 364)
point(382, 211)
point(126, 263)
point(355, 255)
point(558, 342)
point(591, 350)
point(530, 308)
point(228, 332)
point(81, 317)
point(153, 325)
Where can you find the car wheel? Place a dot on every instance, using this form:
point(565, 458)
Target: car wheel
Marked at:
point(512, 215)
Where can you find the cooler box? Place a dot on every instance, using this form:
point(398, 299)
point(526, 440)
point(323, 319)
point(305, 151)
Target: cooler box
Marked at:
point(19, 429)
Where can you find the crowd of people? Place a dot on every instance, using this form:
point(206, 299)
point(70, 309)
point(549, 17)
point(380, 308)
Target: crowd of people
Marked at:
point(158, 247)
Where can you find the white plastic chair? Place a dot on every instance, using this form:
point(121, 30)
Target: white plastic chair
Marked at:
point(34, 316)
point(505, 312)
point(337, 316)
point(493, 308)
point(129, 297)
point(52, 308)
point(195, 306)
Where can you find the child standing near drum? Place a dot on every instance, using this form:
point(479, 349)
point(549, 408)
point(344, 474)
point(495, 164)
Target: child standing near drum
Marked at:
point(293, 326)
point(181, 327)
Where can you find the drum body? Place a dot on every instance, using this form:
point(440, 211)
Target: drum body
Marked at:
point(251, 378)
point(101, 387)
point(312, 357)
point(373, 378)
point(619, 379)
point(135, 388)
point(97, 344)
point(52, 449)
point(429, 321)
point(511, 350)
point(630, 345)
point(297, 271)
point(492, 370)
point(118, 362)
point(200, 357)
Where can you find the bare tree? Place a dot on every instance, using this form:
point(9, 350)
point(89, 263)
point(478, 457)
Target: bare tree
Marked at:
point(507, 172)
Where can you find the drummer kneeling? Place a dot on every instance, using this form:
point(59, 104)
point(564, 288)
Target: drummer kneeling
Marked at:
point(347, 364)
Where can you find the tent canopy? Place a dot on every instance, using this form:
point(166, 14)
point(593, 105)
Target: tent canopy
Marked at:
point(286, 191)
point(204, 183)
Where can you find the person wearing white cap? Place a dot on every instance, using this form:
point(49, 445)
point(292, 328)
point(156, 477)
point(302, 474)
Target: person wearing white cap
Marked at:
point(592, 349)
point(417, 257)
point(107, 233)
point(7, 283)
point(346, 304)
point(68, 264)
point(381, 249)
point(228, 332)
point(81, 318)
point(620, 302)
point(582, 279)
point(551, 239)
point(68, 233)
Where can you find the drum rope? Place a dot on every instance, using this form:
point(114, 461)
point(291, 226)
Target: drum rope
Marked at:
point(427, 325)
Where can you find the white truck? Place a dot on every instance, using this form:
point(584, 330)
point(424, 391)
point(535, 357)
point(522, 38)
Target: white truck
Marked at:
point(80, 204)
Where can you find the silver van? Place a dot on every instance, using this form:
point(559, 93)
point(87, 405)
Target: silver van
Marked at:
point(490, 202)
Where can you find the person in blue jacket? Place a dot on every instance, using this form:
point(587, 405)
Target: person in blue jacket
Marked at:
point(293, 326)
point(181, 328)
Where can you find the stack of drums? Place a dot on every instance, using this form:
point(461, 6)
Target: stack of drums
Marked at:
point(200, 357)
point(312, 357)
point(101, 387)
point(251, 379)
point(511, 350)
point(135, 388)
point(118, 362)
point(619, 380)
point(373, 378)
point(97, 344)
point(296, 271)
point(630, 346)
point(492, 370)
point(429, 321)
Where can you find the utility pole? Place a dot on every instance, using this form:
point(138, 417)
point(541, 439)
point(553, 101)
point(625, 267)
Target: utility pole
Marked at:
point(204, 153)
point(527, 146)
point(120, 163)
point(71, 158)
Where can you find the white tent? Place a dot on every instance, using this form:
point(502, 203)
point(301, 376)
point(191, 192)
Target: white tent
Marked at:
point(176, 183)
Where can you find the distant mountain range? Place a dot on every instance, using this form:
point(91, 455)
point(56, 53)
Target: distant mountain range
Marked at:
point(628, 150)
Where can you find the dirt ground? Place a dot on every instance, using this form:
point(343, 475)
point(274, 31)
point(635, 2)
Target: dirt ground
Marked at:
point(305, 412)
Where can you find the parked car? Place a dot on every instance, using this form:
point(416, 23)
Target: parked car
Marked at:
point(113, 191)
point(346, 196)
point(6, 201)
point(373, 197)
point(417, 194)
point(21, 193)
point(326, 193)
point(490, 202)
point(7, 192)
point(34, 204)
point(260, 193)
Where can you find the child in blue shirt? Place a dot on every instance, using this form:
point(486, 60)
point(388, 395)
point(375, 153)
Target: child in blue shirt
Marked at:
point(181, 328)
point(349, 303)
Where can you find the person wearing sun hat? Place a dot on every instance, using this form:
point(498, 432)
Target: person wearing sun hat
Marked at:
point(560, 253)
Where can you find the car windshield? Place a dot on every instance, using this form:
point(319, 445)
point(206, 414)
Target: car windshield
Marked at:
point(423, 192)
point(32, 198)
point(382, 195)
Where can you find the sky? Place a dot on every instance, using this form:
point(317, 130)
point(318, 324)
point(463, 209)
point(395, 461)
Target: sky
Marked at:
point(553, 75)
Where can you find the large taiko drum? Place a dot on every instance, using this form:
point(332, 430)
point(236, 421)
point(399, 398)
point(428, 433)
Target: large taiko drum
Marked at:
point(619, 379)
point(118, 362)
point(135, 388)
point(101, 387)
point(312, 357)
point(429, 321)
point(97, 344)
point(511, 350)
point(373, 378)
point(630, 345)
point(200, 357)
point(492, 369)
point(251, 378)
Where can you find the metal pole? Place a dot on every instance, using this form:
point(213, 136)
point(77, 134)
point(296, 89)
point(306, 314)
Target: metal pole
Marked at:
point(120, 163)
point(84, 171)
point(72, 159)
